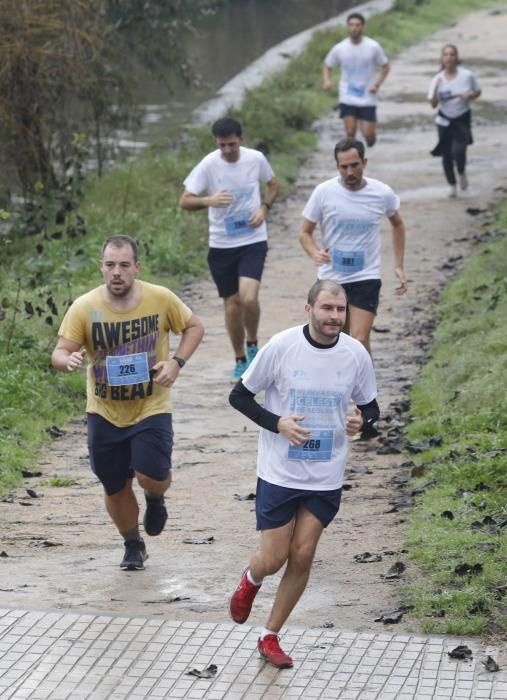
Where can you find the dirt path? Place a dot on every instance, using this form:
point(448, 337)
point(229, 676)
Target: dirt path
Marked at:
point(62, 552)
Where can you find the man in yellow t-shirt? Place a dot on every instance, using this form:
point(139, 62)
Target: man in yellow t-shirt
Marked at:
point(122, 328)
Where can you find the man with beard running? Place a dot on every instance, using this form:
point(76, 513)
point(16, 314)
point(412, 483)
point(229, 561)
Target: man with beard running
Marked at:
point(310, 374)
point(349, 209)
point(122, 328)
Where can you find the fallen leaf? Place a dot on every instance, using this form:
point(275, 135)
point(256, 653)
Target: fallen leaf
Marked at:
point(460, 652)
point(209, 672)
point(395, 571)
point(490, 664)
point(367, 558)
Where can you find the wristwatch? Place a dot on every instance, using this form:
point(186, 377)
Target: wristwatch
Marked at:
point(181, 362)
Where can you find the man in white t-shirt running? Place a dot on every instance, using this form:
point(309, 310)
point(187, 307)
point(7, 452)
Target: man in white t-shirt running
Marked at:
point(359, 58)
point(310, 374)
point(226, 182)
point(349, 209)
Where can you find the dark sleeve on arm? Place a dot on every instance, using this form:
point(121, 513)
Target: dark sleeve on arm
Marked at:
point(244, 401)
point(370, 412)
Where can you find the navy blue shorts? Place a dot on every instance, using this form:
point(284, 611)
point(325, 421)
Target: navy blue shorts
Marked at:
point(116, 453)
point(276, 506)
point(227, 265)
point(364, 294)
point(364, 114)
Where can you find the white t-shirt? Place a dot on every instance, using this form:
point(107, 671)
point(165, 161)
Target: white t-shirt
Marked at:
point(299, 378)
point(350, 227)
point(359, 64)
point(228, 227)
point(449, 92)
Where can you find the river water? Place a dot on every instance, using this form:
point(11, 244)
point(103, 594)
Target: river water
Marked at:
point(223, 44)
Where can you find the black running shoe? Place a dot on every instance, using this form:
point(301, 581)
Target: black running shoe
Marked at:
point(155, 516)
point(135, 556)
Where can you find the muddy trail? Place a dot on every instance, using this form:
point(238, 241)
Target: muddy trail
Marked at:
point(59, 549)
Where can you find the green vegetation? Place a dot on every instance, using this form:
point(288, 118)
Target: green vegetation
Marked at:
point(461, 398)
point(48, 258)
point(58, 482)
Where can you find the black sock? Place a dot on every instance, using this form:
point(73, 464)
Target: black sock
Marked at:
point(132, 534)
point(251, 343)
point(241, 359)
point(153, 499)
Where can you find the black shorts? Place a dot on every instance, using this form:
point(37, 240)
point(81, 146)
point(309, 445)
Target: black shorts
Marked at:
point(275, 506)
point(363, 294)
point(364, 114)
point(227, 265)
point(116, 453)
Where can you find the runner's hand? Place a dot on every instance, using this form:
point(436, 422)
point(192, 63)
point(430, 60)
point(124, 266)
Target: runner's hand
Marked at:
point(400, 274)
point(75, 360)
point(169, 370)
point(354, 423)
point(321, 257)
point(221, 199)
point(294, 433)
point(258, 217)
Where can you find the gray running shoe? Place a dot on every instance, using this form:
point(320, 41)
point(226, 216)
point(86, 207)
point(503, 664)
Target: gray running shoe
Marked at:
point(155, 516)
point(135, 556)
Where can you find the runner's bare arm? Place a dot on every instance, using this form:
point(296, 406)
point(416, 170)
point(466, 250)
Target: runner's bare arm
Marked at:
point(261, 213)
point(193, 202)
point(434, 98)
point(67, 355)
point(318, 255)
point(326, 77)
point(383, 73)
point(398, 233)
point(191, 336)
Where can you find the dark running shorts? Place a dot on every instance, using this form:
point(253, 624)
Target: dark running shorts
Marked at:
point(364, 114)
point(276, 506)
point(227, 265)
point(363, 294)
point(116, 453)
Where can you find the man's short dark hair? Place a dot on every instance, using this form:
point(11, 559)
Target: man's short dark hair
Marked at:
point(356, 15)
point(226, 126)
point(324, 286)
point(118, 240)
point(348, 144)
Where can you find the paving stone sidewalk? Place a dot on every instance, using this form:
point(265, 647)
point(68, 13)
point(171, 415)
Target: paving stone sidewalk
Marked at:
point(62, 656)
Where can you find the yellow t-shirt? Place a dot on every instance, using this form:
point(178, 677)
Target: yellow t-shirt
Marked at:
point(109, 336)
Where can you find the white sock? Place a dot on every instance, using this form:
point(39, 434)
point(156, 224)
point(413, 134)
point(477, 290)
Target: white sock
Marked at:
point(252, 580)
point(265, 633)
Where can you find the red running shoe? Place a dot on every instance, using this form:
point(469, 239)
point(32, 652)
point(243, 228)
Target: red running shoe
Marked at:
point(269, 648)
point(242, 599)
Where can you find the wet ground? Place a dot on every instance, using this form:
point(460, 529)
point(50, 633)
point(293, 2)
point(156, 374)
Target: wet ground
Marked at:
point(59, 549)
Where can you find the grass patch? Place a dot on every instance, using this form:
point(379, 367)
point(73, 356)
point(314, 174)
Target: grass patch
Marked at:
point(141, 198)
point(460, 397)
point(58, 482)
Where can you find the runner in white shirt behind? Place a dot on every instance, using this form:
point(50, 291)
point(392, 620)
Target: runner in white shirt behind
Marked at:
point(226, 183)
point(349, 209)
point(364, 67)
point(310, 374)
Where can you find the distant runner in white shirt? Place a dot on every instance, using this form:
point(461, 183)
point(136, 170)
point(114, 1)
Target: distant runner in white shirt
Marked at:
point(349, 209)
point(310, 374)
point(360, 58)
point(451, 91)
point(229, 177)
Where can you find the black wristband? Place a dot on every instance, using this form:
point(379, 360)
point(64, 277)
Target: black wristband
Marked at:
point(179, 360)
point(268, 206)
